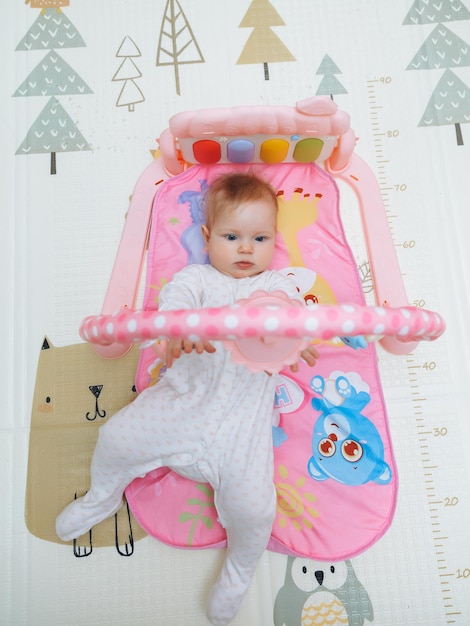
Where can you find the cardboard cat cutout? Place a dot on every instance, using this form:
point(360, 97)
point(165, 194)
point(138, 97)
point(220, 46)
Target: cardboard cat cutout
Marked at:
point(76, 391)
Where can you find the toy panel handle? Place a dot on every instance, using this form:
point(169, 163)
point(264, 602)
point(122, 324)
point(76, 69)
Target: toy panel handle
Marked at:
point(124, 281)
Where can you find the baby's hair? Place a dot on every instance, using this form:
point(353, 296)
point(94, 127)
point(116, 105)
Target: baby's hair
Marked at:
point(230, 190)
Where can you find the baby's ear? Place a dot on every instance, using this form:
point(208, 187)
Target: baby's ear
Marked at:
point(205, 233)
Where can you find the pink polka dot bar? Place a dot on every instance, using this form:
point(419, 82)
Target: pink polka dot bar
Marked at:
point(250, 320)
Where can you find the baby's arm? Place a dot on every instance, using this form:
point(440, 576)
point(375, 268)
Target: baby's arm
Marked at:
point(184, 291)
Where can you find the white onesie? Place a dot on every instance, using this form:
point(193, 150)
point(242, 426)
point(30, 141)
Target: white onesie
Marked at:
point(208, 419)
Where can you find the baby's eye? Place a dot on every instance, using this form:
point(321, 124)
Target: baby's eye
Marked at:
point(261, 238)
point(230, 237)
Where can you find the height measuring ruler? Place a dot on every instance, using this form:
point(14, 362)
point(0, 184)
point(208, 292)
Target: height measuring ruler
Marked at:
point(438, 442)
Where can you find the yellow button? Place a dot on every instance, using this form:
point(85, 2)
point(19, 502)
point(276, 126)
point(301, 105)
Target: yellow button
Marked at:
point(274, 150)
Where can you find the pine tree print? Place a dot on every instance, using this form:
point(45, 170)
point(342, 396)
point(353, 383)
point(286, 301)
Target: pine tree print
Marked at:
point(329, 85)
point(177, 44)
point(443, 49)
point(263, 45)
point(128, 73)
point(53, 131)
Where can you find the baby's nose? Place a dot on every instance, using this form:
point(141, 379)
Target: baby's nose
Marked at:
point(245, 246)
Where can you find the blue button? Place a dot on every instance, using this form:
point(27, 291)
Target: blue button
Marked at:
point(240, 151)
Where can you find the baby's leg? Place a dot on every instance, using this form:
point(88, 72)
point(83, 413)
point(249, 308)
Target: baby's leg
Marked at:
point(247, 512)
point(123, 451)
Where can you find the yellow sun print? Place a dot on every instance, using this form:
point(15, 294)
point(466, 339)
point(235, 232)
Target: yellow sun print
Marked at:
point(292, 505)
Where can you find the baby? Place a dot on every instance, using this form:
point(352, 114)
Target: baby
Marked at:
point(208, 418)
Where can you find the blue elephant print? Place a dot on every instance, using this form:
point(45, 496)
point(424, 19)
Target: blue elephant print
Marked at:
point(346, 445)
point(191, 238)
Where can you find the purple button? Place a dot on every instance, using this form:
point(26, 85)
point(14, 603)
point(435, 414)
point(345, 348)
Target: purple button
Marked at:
point(240, 151)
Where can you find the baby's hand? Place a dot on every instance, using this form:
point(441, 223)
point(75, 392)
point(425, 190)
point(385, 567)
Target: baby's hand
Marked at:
point(175, 347)
point(309, 355)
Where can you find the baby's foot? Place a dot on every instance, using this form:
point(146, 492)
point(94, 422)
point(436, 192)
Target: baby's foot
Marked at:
point(223, 604)
point(80, 515)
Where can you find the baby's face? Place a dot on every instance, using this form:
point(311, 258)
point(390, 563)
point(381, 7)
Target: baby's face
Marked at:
point(241, 242)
